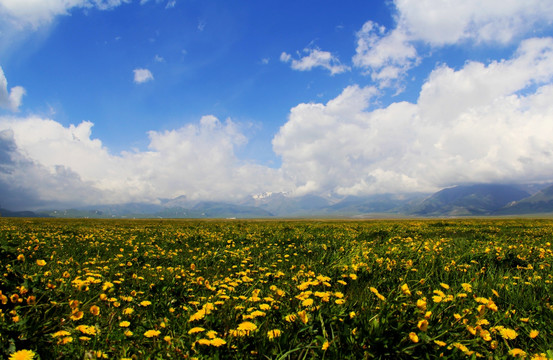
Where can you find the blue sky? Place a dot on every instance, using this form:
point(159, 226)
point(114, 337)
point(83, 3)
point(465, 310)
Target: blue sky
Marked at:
point(108, 101)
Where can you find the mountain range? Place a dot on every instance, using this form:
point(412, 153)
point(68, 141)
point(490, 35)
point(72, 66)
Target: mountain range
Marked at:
point(462, 200)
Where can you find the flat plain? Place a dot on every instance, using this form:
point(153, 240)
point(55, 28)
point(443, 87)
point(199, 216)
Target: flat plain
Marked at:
point(153, 289)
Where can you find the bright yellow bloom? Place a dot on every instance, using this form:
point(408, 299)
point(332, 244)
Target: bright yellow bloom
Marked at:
point(325, 346)
point(467, 287)
point(303, 316)
point(423, 325)
point(307, 302)
point(516, 352)
point(421, 304)
point(76, 315)
point(95, 310)
point(534, 333)
point(195, 330)
point(247, 326)
point(271, 334)
point(405, 289)
point(61, 333)
point(41, 262)
point(145, 303)
point(21, 257)
point(128, 311)
point(217, 342)
point(291, 318)
point(87, 330)
point(440, 343)
point(124, 324)
point(414, 338)
point(128, 333)
point(445, 286)
point(508, 334)
point(152, 333)
point(378, 295)
point(23, 355)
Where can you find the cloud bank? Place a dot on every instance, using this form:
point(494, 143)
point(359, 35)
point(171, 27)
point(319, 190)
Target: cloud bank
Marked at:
point(10, 100)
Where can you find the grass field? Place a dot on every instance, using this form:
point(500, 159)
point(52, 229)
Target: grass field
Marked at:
point(83, 289)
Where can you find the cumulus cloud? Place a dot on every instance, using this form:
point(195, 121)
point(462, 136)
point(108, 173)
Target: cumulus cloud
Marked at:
point(35, 13)
point(315, 58)
point(68, 165)
point(142, 76)
point(482, 123)
point(10, 100)
point(388, 54)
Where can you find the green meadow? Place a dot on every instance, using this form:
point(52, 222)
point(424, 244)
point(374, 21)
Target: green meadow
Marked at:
point(161, 289)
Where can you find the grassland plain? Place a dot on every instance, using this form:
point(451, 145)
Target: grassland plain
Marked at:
point(84, 289)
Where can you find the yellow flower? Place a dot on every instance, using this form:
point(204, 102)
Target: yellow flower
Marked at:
point(421, 304)
point(423, 325)
point(23, 355)
point(128, 311)
point(95, 310)
point(41, 262)
point(61, 333)
point(325, 346)
point(405, 289)
point(303, 316)
point(534, 333)
point(467, 287)
point(291, 318)
point(217, 342)
point(508, 334)
point(307, 302)
point(440, 343)
point(21, 257)
point(152, 333)
point(124, 324)
point(195, 330)
point(378, 295)
point(271, 334)
point(516, 352)
point(146, 303)
point(167, 339)
point(76, 315)
point(128, 333)
point(414, 338)
point(247, 326)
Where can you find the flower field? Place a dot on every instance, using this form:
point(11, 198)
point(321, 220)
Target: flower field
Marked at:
point(87, 289)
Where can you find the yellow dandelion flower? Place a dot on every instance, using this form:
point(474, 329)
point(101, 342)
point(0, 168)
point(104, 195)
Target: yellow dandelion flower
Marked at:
point(61, 333)
point(421, 304)
point(22, 355)
point(77, 315)
point(271, 334)
point(145, 303)
point(212, 334)
point(128, 333)
point(204, 342)
point(87, 330)
point(325, 346)
point(291, 318)
point(516, 352)
point(152, 333)
point(65, 340)
point(21, 257)
point(534, 333)
point(195, 330)
point(413, 337)
point(303, 316)
point(440, 343)
point(95, 310)
point(128, 311)
point(124, 324)
point(445, 286)
point(41, 262)
point(247, 326)
point(422, 325)
point(508, 334)
point(405, 289)
point(339, 301)
point(265, 307)
point(217, 342)
point(307, 302)
point(167, 339)
point(437, 298)
point(467, 287)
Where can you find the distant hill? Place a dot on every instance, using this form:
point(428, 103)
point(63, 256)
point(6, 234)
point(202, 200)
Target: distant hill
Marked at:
point(8, 213)
point(224, 210)
point(540, 202)
point(480, 199)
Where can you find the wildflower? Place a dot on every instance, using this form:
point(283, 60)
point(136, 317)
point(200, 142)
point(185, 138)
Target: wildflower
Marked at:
point(128, 333)
point(76, 315)
point(303, 316)
point(124, 324)
point(325, 346)
point(87, 330)
point(167, 339)
point(405, 289)
point(21, 257)
point(307, 302)
point(534, 334)
point(195, 330)
point(41, 262)
point(217, 342)
point(414, 338)
point(271, 334)
point(508, 334)
point(152, 333)
point(445, 286)
point(22, 355)
point(61, 333)
point(247, 326)
point(291, 318)
point(422, 325)
point(146, 303)
point(467, 287)
point(95, 310)
point(378, 295)
point(516, 352)
point(128, 311)
point(421, 304)
point(439, 343)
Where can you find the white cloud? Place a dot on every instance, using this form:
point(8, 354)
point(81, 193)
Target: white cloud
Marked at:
point(388, 55)
point(197, 160)
point(142, 76)
point(482, 123)
point(171, 4)
point(35, 13)
point(10, 100)
point(315, 58)
point(158, 58)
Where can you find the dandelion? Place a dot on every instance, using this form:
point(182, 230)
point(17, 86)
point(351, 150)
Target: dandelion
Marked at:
point(307, 302)
point(516, 352)
point(303, 316)
point(467, 287)
point(445, 286)
point(41, 262)
point(271, 334)
point(61, 333)
point(413, 337)
point(405, 289)
point(152, 333)
point(21, 257)
point(247, 326)
point(22, 355)
point(95, 310)
point(422, 325)
point(508, 334)
point(325, 346)
point(145, 303)
point(128, 311)
point(217, 342)
point(195, 330)
point(76, 315)
point(440, 343)
point(534, 334)
point(87, 330)
point(124, 324)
